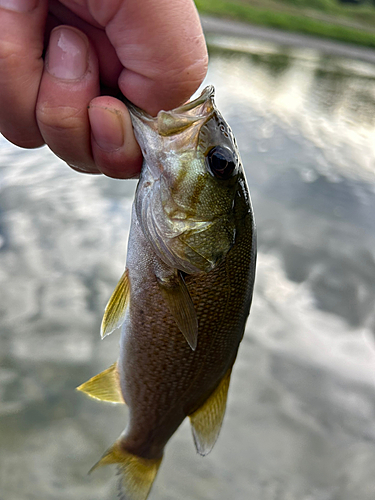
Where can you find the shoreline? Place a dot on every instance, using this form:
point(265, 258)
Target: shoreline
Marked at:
point(220, 26)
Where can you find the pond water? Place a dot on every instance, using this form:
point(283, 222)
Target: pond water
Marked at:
point(300, 423)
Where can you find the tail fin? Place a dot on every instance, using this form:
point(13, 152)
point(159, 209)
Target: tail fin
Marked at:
point(136, 473)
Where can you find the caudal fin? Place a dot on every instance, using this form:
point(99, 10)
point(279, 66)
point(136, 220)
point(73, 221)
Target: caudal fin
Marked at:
point(136, 473)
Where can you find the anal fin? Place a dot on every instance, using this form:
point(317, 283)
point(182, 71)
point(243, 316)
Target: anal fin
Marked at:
point(177, 296)
point(114, 314)
point(206, 421)
point(105, 386)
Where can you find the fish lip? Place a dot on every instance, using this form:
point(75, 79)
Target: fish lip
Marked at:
point(206, 94)
point(188, 112)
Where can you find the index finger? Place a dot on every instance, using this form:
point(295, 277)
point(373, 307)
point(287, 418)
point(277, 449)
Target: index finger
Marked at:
point(161, 47)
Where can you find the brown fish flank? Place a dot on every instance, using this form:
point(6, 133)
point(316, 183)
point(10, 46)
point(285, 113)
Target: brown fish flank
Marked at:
point(172, 385)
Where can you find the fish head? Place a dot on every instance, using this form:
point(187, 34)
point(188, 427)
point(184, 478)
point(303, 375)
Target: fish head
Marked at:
point(188, 185)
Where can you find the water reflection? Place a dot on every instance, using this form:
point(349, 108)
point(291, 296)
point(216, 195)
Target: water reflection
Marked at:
point(301, 414)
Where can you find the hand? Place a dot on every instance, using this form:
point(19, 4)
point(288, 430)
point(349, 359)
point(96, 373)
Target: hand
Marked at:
point(153, 51)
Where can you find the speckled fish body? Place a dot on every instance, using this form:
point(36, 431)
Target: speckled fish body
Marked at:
point(186, 292)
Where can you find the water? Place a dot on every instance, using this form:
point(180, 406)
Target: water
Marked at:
point(300, 423)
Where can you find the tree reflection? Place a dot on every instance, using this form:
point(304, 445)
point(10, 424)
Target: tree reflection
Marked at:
point(336, 90)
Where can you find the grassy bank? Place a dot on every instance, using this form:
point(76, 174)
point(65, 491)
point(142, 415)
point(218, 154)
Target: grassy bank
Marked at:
point(325, 18)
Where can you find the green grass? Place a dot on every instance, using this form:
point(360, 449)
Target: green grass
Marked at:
point(325, 5)
point(364, 13)
point(297, 19)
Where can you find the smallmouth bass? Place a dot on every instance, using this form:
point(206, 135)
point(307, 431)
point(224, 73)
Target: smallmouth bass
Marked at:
point(186, 292)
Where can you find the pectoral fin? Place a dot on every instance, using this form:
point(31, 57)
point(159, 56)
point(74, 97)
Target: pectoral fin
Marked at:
point(115, 310)
point(178, 298)
point(206, 421)
point(105, 386)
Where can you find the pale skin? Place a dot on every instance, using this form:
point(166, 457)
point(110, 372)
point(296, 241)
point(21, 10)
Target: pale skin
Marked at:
point(61, 63)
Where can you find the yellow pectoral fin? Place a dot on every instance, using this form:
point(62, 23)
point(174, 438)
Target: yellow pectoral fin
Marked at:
point(181, 306)
point(105, 386)
point(136, 473)
point(115, 310)
point(206, 421)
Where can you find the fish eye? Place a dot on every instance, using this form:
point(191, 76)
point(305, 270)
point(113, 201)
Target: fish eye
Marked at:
point(221, 162)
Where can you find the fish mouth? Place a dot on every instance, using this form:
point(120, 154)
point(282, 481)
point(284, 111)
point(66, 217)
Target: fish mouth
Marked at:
point(208, 93)
point(172, 122)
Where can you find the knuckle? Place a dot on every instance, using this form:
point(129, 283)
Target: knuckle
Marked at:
point(184, 81)
point(188, 72)
point(15, 62)
point(66, 132)
point(8, 55)
point(61, 118)
point(192, 74)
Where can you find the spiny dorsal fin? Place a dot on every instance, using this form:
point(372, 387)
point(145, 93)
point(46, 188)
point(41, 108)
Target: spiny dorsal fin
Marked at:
point(136, 473)
point(206, 421)
point(178, 298)
point(114, 314)
point(105, 386)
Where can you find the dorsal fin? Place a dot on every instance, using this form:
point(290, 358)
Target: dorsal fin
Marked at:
point(105, 386)
point(114, 314)
point(206, 421)
point(177, 296)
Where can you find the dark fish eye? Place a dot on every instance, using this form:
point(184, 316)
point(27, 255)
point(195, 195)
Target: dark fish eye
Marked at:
point(221, 162)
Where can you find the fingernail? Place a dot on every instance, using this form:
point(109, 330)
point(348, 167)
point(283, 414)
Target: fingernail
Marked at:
point(18, 5)
point(67, 54)
point(106, 127)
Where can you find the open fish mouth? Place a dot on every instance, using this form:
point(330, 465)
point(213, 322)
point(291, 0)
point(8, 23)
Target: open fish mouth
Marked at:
point(208, 93)
point(172, 122)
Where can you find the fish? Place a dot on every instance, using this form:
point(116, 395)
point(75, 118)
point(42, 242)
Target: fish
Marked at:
point(185, 295)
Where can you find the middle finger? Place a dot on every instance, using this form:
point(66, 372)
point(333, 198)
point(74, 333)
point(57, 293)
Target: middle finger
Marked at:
point(69, 82)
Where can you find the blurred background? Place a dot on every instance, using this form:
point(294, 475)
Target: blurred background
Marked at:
point(300, 423)
point(346, 20)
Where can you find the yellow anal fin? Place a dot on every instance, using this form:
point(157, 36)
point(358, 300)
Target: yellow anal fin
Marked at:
point(105, 386)
point(114, 314)
point(206, 421)
point(177, 296)
point(136, 473)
